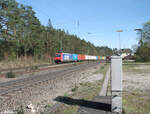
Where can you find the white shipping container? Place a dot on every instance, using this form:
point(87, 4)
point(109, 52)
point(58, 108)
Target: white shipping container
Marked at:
point(86, 57)
point(90, 57)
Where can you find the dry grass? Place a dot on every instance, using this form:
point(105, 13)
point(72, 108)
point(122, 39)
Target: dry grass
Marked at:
point(103, 69)
point(136, 68)
point(136, 102)
point(85, 91)
point(23, 62)
point(136, 98)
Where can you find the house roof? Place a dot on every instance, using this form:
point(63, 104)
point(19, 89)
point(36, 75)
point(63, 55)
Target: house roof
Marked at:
point(125, 51)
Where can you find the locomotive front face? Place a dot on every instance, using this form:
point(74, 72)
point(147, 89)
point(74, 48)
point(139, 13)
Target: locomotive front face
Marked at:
point(57, 58)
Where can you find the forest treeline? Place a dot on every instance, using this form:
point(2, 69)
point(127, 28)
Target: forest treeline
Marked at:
point(143, 47)
point(22, 34)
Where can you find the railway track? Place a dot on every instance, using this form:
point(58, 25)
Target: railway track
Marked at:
point(37, 68)
point(104, 93)
point(14, 85)
point(29, 68)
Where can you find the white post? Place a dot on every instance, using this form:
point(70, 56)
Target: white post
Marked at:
point(116, 81)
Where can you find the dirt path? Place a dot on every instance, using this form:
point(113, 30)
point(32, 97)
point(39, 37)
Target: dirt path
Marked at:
point(103, 91)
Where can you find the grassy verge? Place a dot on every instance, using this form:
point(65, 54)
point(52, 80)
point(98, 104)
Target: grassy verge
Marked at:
point(85, 91)
point(136, 102)
point(138, 68)
point(103, 69)
point(128, 68)
point(24, 62)
point(141, 63)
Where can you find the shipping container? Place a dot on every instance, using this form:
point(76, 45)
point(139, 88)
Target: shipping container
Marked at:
point(103, 57)
point(86, 57)
point(81, 57)
point(100, 57)
point(90, 57)
point(96, 57)
point(75, 57)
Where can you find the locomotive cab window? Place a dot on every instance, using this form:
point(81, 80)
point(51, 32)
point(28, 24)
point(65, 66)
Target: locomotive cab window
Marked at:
point(58, 55)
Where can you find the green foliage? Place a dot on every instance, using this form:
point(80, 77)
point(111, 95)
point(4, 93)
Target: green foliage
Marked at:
point(136, 102)
point(65, 94)
point(75, 88)
point(10, 75)
point(34, 67)
point(143, 50)
point(22, 34)
point(20, 110)
point(102, 67)
point(47, 106)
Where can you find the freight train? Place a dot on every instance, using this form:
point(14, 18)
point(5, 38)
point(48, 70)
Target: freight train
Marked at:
point(68, 57)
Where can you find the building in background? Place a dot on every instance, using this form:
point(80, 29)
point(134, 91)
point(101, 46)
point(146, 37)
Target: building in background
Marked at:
point(126, 54)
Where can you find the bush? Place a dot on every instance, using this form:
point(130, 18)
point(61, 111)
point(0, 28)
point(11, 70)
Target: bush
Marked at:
point(74, 89)
point(34, 67)
point(47, 106)
point(10, 75)
point(21, 110)
point(102, 67)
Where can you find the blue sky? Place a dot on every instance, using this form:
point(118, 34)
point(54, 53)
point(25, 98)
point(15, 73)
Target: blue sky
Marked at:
point(100, 18)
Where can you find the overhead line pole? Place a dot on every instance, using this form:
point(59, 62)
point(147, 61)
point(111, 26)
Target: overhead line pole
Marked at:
point(119, 31)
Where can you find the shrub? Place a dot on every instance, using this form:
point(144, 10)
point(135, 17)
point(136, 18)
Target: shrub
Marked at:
point(20, 110)
point(74, 89)
point(47, 106)
point(34, 67)
point(102, 67)
point(65, 94)
point(10, 75)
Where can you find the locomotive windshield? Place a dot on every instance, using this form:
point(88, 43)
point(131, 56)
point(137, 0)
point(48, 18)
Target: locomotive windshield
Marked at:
point(58, 55)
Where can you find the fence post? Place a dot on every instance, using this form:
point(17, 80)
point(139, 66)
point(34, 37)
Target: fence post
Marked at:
point(116, 84)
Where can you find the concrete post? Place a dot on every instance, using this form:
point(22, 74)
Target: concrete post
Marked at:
point(116, 82)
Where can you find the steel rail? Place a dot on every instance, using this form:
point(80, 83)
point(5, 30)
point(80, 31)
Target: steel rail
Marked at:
point(32, 67)
point(14, 85)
